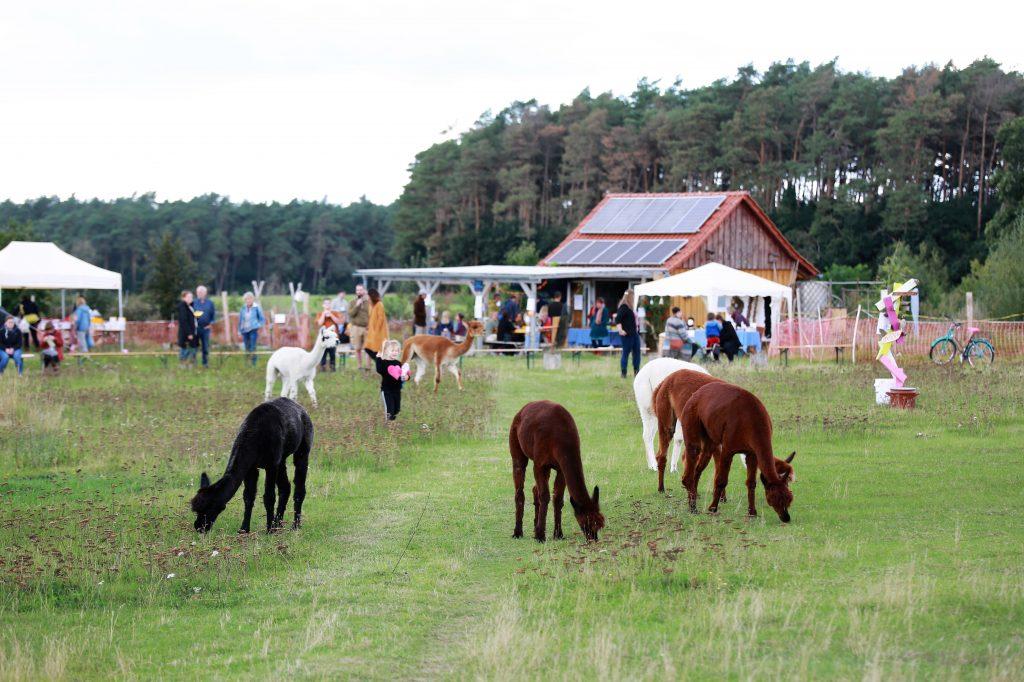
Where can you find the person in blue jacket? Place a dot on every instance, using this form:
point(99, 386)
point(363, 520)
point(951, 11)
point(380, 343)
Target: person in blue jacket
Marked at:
point(83, 326)
point(206, 310)
point(250, 321)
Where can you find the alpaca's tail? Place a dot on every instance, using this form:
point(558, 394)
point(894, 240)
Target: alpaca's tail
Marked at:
point(407, 350)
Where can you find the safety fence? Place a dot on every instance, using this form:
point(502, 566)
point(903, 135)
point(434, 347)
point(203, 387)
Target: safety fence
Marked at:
point(815, 338)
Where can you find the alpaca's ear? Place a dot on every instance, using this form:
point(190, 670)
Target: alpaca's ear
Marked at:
point(204, 481)
point(597, 495)
point(791, 456)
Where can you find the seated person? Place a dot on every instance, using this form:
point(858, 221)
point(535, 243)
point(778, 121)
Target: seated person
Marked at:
point(52, 344)
point(459, 328)
point(491, 327)
point(445, 327)
point(712, 330)
point(343, 337)
point(10, 345)
point(675, 334)
point(729, 340)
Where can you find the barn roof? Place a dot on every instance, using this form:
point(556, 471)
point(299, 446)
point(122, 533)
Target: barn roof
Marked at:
point(658, 230)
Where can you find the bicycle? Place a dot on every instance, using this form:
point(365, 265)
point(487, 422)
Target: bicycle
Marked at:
point(977, 351)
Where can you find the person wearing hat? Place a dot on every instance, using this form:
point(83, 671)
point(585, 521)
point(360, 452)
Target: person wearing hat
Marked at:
point(419, 313)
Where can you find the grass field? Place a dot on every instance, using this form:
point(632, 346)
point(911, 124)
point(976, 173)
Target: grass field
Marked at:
point(904, 558)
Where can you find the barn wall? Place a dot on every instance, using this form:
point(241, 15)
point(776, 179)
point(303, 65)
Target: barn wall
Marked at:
point(742, 242)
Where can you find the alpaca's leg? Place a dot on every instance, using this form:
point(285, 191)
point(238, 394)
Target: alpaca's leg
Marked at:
point(664, 436)
point(677, 447)
point(690, 475)
point(437, 375)
point(453, 367)
point(541, 475)
point(723, 464)
point(284, 491)
point(751, 487)
point(519, 461)
point(421, 369)
point(271, 377)
point(249, 497)
point(310, 389)
point(558, 497)
point(269, 495)
point(650, 432)
point(301, 458)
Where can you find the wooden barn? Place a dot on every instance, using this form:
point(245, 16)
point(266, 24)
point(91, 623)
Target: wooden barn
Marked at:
point(671, 233)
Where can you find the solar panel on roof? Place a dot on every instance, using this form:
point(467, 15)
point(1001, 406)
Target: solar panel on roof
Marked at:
point(618, 247)
point(569, 251)
point(701, 210)
point(626, 252)
point(652, 215)
point(663, 250)
point(607, 213)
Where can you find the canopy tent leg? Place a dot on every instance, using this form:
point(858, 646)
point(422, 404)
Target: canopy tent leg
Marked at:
point(383, 285)
point(480, 307)
point(63, 312)
point(531, 307)
point(120, 314)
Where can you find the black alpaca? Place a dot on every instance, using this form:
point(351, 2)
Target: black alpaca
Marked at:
point(269, 433)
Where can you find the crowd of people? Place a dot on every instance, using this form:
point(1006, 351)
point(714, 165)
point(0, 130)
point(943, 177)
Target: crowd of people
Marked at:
point(719, 332)
point(24, 329)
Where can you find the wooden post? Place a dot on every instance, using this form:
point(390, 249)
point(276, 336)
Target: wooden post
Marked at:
point(853, 348)
point(227, 317)
point(970, 308)
point(305, 312)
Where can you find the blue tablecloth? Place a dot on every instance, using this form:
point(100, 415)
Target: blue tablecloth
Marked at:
point(747, 339)
point(581, 337)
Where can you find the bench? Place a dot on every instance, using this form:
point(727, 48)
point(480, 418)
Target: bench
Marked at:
point(839, 348)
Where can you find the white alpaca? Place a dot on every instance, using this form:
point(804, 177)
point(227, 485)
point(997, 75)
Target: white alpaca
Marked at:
point(647, 379)
point(294, 365)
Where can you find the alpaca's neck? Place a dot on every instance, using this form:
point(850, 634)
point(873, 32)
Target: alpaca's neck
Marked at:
point(576, 483)
point(466, 342)
point(313, 356)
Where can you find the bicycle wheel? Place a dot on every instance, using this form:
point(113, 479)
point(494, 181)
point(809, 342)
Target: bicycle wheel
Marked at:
point(943, 351)
point(981, 353)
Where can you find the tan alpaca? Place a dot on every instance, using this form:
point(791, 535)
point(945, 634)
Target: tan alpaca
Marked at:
point(439, 352)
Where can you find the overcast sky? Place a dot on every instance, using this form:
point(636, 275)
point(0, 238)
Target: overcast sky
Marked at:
point(277, 100)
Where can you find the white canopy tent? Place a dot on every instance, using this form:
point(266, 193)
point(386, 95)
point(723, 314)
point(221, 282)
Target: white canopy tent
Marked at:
point(43, 265)
point(714, 280)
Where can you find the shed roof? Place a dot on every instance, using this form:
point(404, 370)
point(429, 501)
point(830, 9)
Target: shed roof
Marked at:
point(507, 273)
point(681, 227)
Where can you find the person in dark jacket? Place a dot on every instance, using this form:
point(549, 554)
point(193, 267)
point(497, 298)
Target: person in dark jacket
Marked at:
point(28, 310)
point(507, 315)
point(626, 319)
point(10, 345)
point(729, 341)
point(392, 376)
point(188, 329)
point(419, 313)
point(206, 311)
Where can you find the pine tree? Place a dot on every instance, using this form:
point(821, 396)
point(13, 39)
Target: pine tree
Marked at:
point(171, 271)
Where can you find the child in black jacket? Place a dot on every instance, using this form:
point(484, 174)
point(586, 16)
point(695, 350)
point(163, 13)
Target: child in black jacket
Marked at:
point(392, 376)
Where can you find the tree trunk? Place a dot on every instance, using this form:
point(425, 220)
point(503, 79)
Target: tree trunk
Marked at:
point(981, 172)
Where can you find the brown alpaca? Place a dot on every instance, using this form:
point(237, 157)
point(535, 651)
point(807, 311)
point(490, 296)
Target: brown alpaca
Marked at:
point(546, 433)
point(440, 352)
point(668, 401)
point(726, 418)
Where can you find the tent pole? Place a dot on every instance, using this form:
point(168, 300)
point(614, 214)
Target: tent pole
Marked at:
point(120, 314)
point(63, 312)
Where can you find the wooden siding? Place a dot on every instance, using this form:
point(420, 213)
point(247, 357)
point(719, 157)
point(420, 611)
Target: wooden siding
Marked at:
point(741, 242)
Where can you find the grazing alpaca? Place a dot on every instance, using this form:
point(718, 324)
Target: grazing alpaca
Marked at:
point(667, 405)
point(269, 433)
point(440, 352)
point(647, 380)
point(669, 399)
point(726, 418)
point(294, 365)
point(546, 433)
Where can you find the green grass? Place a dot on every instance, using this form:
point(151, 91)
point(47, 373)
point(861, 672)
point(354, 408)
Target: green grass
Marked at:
point(903, 560)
